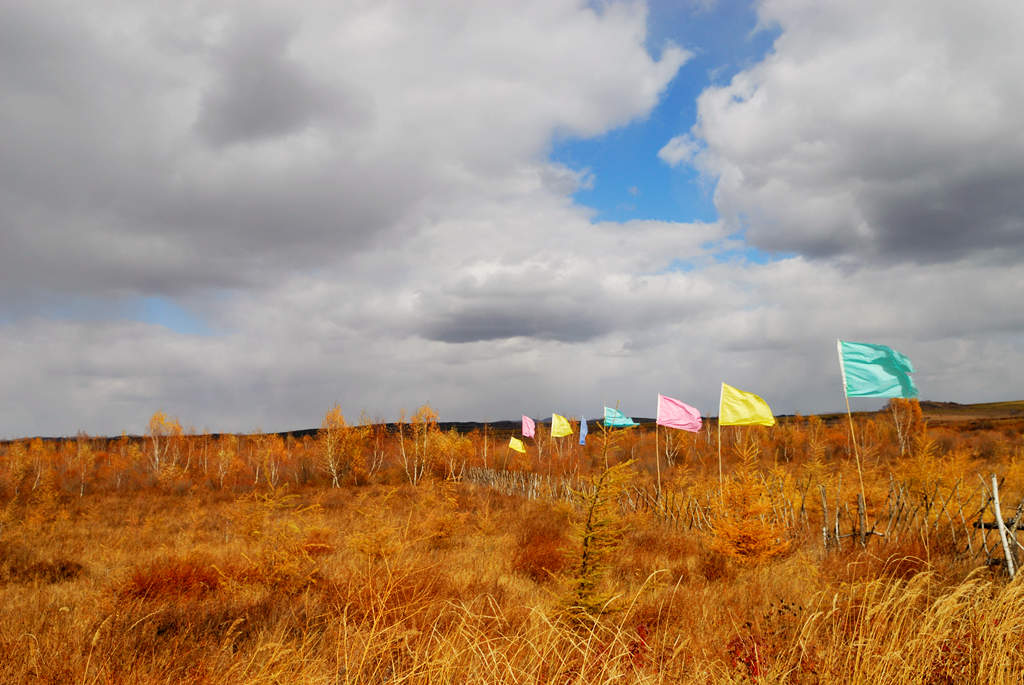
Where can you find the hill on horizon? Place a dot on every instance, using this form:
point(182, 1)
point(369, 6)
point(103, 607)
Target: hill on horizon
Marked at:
point(982, 414)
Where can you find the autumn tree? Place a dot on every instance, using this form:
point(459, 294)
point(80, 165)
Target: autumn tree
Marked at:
point(225, 455)
point(907, 420)
point(415, 451)
point(339, 445)
point(598, 529)
point(376, 435)
point(452, 450)
point(744, 528)
point(85, 458)
point(160, 431)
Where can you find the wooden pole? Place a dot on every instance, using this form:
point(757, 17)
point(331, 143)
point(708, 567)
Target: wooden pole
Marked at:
point(853, 438)
point(657, 459)
point(721, 480)
point(860, 474)
point(1002, 527)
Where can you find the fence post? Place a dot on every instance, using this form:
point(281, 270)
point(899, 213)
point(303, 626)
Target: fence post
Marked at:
point(824, 516)
point(862, 515)
point(1002, 526)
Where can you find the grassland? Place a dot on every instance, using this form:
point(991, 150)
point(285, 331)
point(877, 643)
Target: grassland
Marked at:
point(440, 557)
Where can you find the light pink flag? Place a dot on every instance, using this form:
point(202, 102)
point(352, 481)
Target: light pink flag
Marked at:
point(529, 427)
point(676, 414)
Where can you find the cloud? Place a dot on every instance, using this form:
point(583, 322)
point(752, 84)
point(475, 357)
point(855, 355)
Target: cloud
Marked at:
point(259, 92)
point(873, 131)
point(679, 150)
point(769, 328)
point(354, 202)
point(164, 149)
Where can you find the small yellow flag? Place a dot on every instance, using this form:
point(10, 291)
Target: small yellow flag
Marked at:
point(739, 408)
point(560, 426)
point(516, 444)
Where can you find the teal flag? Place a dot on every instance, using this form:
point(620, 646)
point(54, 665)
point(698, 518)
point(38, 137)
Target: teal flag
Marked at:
point(613, 418)
point(875, 371)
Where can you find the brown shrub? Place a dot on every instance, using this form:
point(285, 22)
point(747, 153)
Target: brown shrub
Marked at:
point(172, 577)
point(650, 548)
point(714, 566)
point(318, 543)
point(19, 564)
point(540, 543)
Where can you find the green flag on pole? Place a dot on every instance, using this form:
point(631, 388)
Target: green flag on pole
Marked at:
point(871, 370)
point(613, 418)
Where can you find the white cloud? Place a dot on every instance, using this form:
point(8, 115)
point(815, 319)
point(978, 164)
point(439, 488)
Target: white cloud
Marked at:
point(311, 342)
point(679, 150)
point(390, 232)
point(162, 148)
point(875, 130)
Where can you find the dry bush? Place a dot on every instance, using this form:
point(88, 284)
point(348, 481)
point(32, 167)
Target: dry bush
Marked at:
point(646, 549)
point(744, 528)
point(540, 543)
point(172, 577)
point(20, 564)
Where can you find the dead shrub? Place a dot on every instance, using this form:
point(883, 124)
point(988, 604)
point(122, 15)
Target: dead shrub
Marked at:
point(716, 566)
point(646, 549)
point(318, 543)
point(172, 576)
point(19, 564)
point(540, 543)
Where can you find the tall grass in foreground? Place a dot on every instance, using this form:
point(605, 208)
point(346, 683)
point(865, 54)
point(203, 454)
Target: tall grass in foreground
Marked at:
point(424, 556)
point(919, 631)
point(430, 584)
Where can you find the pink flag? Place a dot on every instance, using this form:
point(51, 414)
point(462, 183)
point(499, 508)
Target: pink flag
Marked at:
point(529, 427)
point(676, 414)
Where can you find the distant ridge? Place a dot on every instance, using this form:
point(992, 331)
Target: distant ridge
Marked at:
point(978, 416)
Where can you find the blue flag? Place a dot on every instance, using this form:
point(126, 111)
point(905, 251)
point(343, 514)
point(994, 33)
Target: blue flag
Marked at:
point(871, 370)
point(613, 418)
point(583, 430)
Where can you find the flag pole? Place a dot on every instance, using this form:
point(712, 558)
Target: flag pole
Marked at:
point(853, 435)
point(721, 481)
point(657, 458)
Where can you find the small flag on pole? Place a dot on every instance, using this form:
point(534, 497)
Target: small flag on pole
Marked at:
point(613, 418)
point(516, 444)
point(675, 414)
point(740, 408)
point(583, 430)
point(529, 427)
point(875, 371)
point(560, 426)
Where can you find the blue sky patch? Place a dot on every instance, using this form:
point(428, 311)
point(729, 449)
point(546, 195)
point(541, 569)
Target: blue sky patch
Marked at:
point(629, 180)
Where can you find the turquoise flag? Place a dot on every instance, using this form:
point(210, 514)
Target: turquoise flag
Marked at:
point(583, 430)
point(613, 418)
point(875, 371)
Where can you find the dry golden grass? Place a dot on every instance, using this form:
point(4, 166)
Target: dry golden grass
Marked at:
point(177, 579)
point(429, 585)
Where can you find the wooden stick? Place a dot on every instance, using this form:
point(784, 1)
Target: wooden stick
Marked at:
point(849, 415)
point(721, 480)
point(1002, 527)
point(824, 516)
point(657, 459)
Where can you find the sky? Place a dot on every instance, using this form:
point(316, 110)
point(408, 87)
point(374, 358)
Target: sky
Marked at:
point(242, 213)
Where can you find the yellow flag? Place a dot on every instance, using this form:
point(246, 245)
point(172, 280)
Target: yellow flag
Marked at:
point(516, 444)
point(739, 408)
point(560, 426)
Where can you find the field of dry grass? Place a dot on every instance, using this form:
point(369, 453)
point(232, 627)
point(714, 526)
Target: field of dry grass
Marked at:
point(238, 561)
